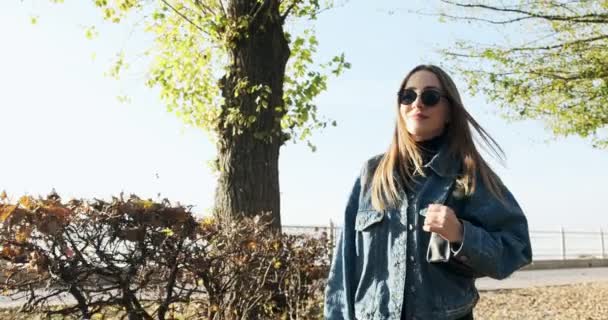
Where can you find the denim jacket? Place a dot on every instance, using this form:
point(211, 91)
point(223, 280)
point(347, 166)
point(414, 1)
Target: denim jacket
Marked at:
point(367, 275)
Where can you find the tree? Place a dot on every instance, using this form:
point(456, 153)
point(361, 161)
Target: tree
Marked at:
point(557, 73)
point(222, 65)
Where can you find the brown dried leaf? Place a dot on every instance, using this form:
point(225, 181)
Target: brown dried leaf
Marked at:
point(58, 212)
point(27, 202)
point(6, 211)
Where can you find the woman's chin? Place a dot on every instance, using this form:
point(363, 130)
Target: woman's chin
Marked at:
point(421, 135)
point(417, 132)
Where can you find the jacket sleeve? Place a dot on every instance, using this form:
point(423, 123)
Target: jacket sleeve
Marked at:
point(496, 241)
point(339, 292)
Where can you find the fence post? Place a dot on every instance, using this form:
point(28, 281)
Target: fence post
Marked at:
point(332, 240)
point(603, 247)
point(332, 234)
point(563, 243)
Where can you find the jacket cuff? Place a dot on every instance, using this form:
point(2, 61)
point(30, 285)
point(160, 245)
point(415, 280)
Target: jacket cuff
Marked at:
point(456, 247)
point(459, 252)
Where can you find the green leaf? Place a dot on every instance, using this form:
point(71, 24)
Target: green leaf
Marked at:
point(90, 32)
point(167, 232)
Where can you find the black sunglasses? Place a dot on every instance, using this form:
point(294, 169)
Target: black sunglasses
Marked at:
point(429, 97)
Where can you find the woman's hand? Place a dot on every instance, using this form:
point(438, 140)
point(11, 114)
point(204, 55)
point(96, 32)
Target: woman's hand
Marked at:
point(443, 221)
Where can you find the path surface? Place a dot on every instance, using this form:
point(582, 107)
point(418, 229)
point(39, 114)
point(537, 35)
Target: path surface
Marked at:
point(536, 278)
point(520, 279)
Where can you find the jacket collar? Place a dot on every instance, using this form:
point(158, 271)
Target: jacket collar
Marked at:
point(444, 163)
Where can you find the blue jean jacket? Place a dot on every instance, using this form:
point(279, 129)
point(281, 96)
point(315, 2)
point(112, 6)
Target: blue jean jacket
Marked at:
point(367, 275)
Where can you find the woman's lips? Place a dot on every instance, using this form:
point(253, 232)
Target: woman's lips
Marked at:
point(419, 116)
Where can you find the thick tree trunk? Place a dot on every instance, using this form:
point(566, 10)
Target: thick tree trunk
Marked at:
point(249, 166)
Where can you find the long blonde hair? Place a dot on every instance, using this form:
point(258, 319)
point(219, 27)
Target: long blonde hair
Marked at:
point(404, 155)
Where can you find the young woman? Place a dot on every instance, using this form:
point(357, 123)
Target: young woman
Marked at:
point(426, 218)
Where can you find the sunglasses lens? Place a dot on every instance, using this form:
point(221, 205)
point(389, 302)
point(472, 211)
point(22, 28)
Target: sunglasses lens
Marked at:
point(430, 98)
point(408, 97)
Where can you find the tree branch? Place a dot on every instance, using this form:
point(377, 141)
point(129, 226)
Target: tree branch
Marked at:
point(288, 11)
point(469, 18)
point(183, 16)
point(204, 7)
point(585, 18)
point(539, 48)
point(259, 14)
point(560, 45)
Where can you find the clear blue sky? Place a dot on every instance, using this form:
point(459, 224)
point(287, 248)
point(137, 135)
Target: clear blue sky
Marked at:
point(62, 126)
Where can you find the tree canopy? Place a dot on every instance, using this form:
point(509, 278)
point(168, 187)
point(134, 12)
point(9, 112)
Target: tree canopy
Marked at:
point(192, 39)
point(558, 70)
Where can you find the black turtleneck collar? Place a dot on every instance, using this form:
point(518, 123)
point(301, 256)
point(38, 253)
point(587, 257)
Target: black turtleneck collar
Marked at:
point(429, 148)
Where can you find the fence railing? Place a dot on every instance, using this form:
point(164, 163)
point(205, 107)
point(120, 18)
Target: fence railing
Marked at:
point(546, 244)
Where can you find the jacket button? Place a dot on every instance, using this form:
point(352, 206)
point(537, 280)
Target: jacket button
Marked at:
point(463, 258)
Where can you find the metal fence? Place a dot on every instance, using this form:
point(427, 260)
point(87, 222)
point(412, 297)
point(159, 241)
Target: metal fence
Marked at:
point(568, 244)
point(546, 244)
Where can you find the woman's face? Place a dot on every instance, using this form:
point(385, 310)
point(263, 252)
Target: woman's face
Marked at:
point(424, 122)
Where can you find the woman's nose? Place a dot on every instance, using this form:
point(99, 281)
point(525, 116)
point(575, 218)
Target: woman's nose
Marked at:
point(417, 103)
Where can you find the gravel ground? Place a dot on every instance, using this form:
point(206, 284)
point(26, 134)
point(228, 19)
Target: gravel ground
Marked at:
point(542, 278)
point(587, 301)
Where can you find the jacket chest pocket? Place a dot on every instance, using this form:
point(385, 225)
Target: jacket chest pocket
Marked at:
point(366, 219)
point(371, 232)
point(369, 227)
